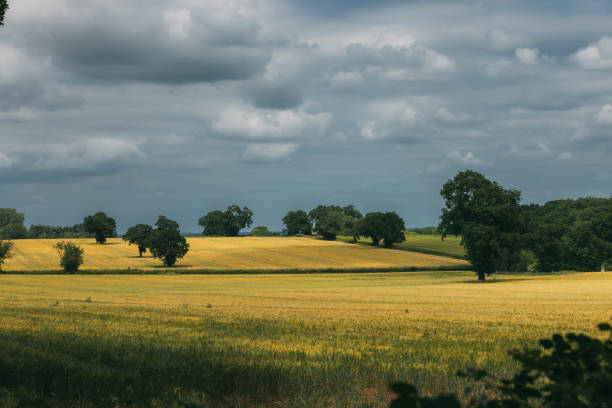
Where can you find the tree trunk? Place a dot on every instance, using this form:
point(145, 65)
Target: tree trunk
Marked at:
point(603, 267)
point(481, 276)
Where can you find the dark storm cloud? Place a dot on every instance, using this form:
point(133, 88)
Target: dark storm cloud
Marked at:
point(184, 106)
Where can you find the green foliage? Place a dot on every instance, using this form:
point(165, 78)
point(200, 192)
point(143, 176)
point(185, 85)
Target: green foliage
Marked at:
point(71, 256)
point(332, 220)
point(485, 215)
point(573, 371)
point(166, 242)
point(297, 222)
point(5, 251)
point(101, 226)
point(13, 231)
point(226, 223)
point(3, 8)
point(328, 221)
point(378, 226)
point(569, 234)
point(425, 231)
point(11, 224)
point(139, 235)
point(262, 231)
point(51, 231)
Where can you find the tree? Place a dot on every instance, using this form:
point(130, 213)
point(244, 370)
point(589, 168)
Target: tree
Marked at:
point(3, 8)
point(11, 224)
point(262, 231)
point(5, 251)
point(226, 223)
point(388, 227)
point(352, 220)
point(139, 235)
point(101, 226)
point(329, 224)
point(485, 215)
point(166, 242)
point(13, 231)
point(297, 222)
point(71, 256)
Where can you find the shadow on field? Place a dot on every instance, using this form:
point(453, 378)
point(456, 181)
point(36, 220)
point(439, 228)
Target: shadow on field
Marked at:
point(52, 369)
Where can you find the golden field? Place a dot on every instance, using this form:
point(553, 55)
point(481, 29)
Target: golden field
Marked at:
point(320, 340)
point(227, 254)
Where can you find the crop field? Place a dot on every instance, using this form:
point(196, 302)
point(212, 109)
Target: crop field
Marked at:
point(229, 254)
point(429, 244)
point(319, 340)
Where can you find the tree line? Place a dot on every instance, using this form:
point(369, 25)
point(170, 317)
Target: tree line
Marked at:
point(500, 234)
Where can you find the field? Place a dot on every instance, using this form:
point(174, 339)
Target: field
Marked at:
point(230, 254)
point(429, 244)
point(319, 340)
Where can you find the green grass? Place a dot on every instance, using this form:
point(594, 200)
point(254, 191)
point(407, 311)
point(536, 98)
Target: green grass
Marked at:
point(428, 244)
point(272, 340)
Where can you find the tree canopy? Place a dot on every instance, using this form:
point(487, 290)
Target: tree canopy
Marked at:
point(485, 215)
point(139, 235)
point(3, 8)
point(388, 227)
point(226, 223)
point(71, 256)
point(166, 242)
point(101, 226)
point(297, 222)
point(11, 224)
point(5, 251)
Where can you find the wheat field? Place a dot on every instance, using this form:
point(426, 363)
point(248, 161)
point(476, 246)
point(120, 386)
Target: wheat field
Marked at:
point(228, 254)
point(320, 340)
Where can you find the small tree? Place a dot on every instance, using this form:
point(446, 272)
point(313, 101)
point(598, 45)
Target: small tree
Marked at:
point(297, 222)
point(388, 227)
point(101, 226)
point(71, 256)
point(3, 7)
point(139, 235)
point(329, 224)
point(226, 223)
point(5, 251)
point(166, 242)
point(262, 231)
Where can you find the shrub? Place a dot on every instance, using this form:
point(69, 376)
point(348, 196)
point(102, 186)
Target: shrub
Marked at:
point(5, 251)
point(71, 256)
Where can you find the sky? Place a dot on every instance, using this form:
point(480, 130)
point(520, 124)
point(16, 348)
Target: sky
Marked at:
point(181, 107)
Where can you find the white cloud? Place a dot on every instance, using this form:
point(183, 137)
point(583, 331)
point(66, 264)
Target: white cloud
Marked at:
point(269, 152)
point(177, 23)
point(605, 114)
point(565, 156)
point(597, 55)
point(393, 121)
point(249, 123)
point(446, 116)
point(346, 80)
point(5, 161)
point(467, 158)
point(527, 56)
point(501, 40)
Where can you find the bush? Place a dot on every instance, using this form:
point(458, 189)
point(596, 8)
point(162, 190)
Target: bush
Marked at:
point(573, 370)
point(71, 256)
point(5, 251)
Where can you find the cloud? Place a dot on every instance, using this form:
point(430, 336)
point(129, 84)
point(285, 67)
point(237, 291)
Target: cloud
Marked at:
point(597, 55)
point(605, 114)
point(395, 121)
point(5, 161)
point(273, 95)
point(503, 40)
point(269, 152)
point(204, 42)
point(527, 56)
point(398, 62)
point(565, 156)
point(346, 80)
point(445, 116)
point(247, 123)
point(467, 158)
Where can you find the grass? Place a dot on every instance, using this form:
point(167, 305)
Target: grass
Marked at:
point(273, 340)
point(240, 254)
point(427, 244)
